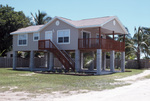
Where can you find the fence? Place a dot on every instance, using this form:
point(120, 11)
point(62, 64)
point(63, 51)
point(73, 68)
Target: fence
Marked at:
point(21, 62)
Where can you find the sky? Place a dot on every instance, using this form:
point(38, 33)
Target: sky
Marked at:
point(132, 13)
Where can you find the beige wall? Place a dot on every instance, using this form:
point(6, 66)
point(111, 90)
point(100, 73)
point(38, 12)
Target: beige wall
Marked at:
point(117, 28)
point(73, 35)
point(33, 45)
point(93, 31)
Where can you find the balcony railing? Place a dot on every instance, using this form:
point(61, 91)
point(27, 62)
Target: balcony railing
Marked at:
point(105, 44)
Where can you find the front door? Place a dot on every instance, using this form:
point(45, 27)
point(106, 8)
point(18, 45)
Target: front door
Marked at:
point(48, 36)
point(86, 36)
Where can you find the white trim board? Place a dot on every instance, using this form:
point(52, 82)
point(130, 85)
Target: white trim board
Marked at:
point(69, 36)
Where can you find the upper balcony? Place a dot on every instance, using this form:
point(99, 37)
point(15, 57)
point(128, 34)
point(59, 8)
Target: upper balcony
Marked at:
point(96, 43)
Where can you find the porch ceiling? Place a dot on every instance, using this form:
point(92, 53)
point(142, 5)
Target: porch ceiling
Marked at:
point(103, 31)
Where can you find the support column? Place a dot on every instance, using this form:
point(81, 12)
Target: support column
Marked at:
point(82, 60)
point(104, 61)
point(122, 61)
point(99, 61)
point(31, 60)
point(14, 60)
point(77, 60)
point(112, 61)
point(51, 61)
point(46, 59)
point(92, 64)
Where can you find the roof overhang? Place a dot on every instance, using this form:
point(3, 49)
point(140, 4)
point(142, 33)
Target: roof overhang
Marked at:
point(78, 27)
point(23, 32)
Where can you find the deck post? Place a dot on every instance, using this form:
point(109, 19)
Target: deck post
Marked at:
point(82, 60)
point(14, 59)
point(99, 61)
point(91, 68)
point(104, 61)
point(100, 37)
point(112, 61)
point(124, 42)
point(77, 60)
point(50, 61)
point(122, 61)
point(46, 59)
point(113, 35)
point(31, 60)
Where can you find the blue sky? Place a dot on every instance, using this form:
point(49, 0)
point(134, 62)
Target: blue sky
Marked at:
point(132, 13)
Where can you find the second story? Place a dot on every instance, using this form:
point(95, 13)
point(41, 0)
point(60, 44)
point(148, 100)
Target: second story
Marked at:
point(68, 34)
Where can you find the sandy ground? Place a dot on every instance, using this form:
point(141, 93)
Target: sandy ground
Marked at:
point(139, 90)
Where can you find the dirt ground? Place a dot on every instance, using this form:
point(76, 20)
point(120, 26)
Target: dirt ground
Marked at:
point(139, 90)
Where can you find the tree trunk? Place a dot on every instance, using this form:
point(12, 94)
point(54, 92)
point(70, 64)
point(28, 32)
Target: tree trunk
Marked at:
point(138, 59)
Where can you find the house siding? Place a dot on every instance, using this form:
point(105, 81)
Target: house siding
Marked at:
point(62, 26)
point(31, 45)
point(117, 28)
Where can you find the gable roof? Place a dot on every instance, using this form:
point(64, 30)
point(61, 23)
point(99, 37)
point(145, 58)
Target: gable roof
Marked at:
point(88, 22)
point(85, 23)
point(29, 29)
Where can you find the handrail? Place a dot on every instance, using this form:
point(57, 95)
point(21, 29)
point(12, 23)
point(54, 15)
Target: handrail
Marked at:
point(70, 59)
point(106, 44)
point(49, 45)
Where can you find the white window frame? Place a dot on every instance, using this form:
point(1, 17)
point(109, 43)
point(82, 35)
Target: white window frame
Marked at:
point(34, 36)
point(85, 32)
point(69, 36)
point(26, 39)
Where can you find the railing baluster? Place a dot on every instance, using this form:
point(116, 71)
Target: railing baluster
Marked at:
point(107, 44)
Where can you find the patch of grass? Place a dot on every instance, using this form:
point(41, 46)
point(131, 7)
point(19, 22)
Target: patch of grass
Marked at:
point(46, 83)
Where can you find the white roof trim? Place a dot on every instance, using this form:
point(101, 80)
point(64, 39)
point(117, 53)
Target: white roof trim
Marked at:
point(118, 22)
point(23, 32)
point(101, 25)
point(54, 20)
point(123, 28)
point(89, 26)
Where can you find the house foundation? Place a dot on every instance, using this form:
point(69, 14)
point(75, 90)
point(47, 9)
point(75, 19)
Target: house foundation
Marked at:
point(31, 66)
point(77, 61)
point(14, 59)
point(99, 61)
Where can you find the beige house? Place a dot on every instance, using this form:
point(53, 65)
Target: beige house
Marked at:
point(62, 36)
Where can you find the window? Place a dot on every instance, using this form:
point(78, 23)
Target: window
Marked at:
point(63, 36)
point(22, 40)
point(36, 36)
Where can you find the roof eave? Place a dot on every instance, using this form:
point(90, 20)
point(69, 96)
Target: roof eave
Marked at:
point(91, 26)
point(53, 20)
point(115, 17)
point(13, 33)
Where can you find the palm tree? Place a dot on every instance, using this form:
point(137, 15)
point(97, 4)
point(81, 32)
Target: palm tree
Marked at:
point(138, 44)
point(128, 40)
point(146, 50)
point(40, 18)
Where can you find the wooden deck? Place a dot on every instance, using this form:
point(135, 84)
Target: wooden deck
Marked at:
point(96, 43)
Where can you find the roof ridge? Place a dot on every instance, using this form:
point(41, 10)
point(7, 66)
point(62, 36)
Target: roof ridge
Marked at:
point(96, 18)
point(65, 18)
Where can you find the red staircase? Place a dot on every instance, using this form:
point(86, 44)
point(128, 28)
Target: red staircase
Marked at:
point(62, 56)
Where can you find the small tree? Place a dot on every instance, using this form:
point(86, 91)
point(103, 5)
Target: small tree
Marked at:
point(10, 21)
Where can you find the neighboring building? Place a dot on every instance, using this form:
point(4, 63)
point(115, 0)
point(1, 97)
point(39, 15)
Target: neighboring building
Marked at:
point(61, 36)
point(9, 54)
